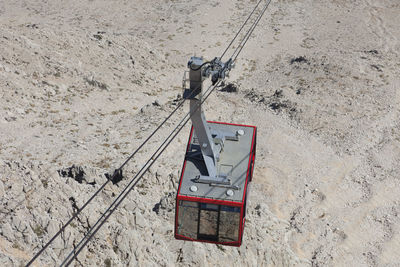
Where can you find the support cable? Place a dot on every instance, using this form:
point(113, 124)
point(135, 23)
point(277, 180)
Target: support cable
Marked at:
point(234, 38)
point(249, 32)
point(241, 45)
point(103, 185)
point(103, 218)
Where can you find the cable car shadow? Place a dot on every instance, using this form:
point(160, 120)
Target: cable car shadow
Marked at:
point(195, 157)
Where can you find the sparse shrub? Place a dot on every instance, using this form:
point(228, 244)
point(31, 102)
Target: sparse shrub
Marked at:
point(16, 245)
point(38, 230)
point(45, 183)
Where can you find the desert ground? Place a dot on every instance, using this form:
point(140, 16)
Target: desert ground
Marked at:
point(83, 83)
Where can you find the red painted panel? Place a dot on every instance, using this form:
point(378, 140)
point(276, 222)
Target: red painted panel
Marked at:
point(250, 159)
point(180, 181)
point(234, 124)
point(235, 243)
point(211, 201)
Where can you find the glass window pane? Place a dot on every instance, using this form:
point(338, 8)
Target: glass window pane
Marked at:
point(230, 208)
point(229, 224)
point(207, 206)
point(188, 217)
point(208, 223)
point(189, 204)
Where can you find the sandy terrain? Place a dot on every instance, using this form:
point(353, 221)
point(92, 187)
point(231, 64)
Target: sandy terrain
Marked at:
point(83, 83)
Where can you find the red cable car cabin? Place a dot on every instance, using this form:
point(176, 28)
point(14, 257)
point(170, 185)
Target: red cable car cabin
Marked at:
point(215, 213)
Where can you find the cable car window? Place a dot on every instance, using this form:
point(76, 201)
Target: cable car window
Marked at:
point(207, 206)
point(204, 221)
point(229, 224)
point(188, 217)
point(230, 208)
point(208, 227)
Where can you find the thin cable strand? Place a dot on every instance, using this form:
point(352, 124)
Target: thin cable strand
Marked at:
point(234, 38)
point(250, 31)
point(103, 218)
point(102, 187)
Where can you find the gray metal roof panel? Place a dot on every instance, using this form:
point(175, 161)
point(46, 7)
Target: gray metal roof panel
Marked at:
point(235, 156)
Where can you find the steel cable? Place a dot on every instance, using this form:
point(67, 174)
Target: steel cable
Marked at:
point(103, 185)
point(118, 200)
point(249, 32)
point(234, 38)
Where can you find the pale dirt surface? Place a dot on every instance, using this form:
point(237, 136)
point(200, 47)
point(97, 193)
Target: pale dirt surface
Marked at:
point(85, 82)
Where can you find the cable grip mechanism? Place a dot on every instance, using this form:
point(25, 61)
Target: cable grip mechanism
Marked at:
point(199, 70)
point(210, 142)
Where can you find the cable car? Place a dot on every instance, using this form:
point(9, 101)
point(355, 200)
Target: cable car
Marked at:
point(218, 167)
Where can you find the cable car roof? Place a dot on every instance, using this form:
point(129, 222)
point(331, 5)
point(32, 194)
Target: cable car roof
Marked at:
point(234, 161)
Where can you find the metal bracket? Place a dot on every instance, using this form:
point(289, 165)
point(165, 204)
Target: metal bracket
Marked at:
point(212, 180)
point(211, 143)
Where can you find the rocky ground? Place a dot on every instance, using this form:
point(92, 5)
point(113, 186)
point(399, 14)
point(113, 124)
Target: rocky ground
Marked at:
point(83, 83)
